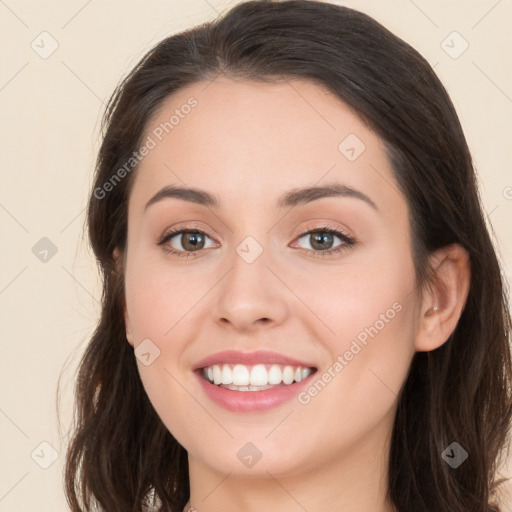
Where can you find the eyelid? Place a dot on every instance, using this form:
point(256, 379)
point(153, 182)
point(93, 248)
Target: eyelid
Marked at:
point(180, 227)
point(321, 225)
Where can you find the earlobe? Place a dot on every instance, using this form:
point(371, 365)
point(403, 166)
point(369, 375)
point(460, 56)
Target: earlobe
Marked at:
point(444, 298)
point(118, 260)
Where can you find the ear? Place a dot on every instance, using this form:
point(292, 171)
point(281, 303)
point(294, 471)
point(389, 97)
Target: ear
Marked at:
point(119, 269)
point(444, 298)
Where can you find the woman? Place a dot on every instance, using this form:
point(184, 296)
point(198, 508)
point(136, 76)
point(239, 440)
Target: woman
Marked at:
point(302, 307)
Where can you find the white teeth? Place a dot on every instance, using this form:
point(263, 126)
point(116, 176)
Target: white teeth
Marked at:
point(275, 376)
point(240, 375)
point(217, 375)
point(227, 374)
point(254, 378)
point(259, 375)
point(288, 374)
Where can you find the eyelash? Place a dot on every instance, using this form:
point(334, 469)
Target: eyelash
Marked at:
point(349, 242)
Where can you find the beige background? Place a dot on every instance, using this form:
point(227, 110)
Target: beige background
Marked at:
point(50, 132)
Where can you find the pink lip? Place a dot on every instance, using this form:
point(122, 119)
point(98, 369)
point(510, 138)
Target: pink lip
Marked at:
point(250, 358)
point(251, 401)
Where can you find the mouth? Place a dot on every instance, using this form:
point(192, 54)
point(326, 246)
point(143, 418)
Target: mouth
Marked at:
point(259, 377)
point(243, 382)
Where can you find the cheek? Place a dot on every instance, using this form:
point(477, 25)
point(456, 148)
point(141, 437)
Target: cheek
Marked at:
point(370, 312)
point(357, 393)
point(156, 301)
point(365, 292)
point(160, 302)
point(158, 297)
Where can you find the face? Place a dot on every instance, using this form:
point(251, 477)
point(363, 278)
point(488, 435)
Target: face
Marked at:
point(321, 280)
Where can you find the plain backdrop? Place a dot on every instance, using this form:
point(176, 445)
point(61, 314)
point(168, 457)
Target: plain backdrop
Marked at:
point(60, 62)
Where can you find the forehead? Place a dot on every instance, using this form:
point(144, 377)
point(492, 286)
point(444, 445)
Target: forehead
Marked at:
point(249, 141)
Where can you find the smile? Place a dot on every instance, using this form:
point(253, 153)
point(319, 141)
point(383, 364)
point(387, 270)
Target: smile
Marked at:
point(252, 381)
point(259, 377)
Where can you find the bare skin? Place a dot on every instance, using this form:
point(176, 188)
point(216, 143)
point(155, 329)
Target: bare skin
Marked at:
point(248, 144)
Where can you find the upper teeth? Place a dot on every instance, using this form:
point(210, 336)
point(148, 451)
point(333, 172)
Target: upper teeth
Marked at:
point(257, 375)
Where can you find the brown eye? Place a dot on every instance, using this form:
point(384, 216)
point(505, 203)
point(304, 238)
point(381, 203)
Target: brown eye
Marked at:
point(185, 241)
point(322, 240)
point(192, 241)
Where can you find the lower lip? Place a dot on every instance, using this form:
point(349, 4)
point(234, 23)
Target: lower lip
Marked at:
point(251, 401)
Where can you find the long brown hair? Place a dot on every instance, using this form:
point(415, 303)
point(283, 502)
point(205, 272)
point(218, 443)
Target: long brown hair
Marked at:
point(120, 451)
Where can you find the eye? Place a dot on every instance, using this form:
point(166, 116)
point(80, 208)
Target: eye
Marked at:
point(321, 240)
point(187, 241)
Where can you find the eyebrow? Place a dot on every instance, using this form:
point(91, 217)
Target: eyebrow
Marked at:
point(292, 198)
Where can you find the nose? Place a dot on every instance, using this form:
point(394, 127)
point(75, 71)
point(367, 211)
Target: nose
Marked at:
point(251, 295)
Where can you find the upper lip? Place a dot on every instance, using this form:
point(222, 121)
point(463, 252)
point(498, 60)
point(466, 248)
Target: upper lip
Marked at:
point(250, 358)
